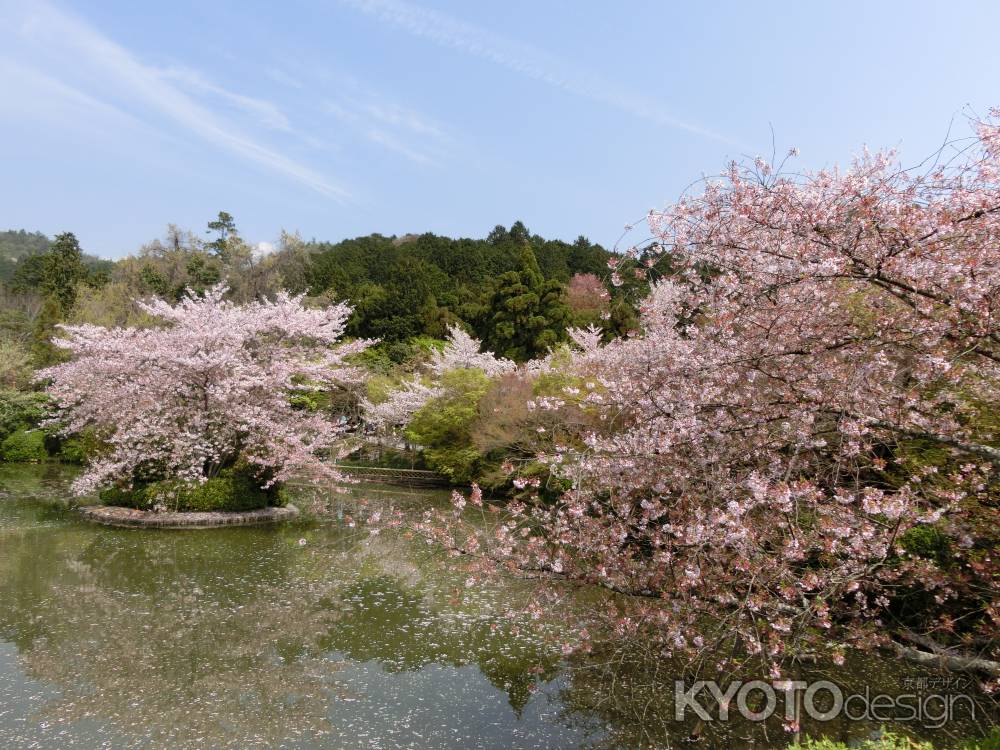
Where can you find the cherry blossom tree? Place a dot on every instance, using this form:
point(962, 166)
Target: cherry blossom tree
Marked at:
point(587, 296)
point(461, 351)
point(211, 386)
point(752, 485)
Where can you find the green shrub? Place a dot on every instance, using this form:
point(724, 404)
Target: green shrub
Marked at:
point(925, 541)
point(79, 448)
point(19, 410)
point(117, 496)
point(230, 491)
point(885, 742)
point(989, 742)
point(24, 445)
point(443, 427)
point(889, 741)
point(280, 497)
point(388, 357)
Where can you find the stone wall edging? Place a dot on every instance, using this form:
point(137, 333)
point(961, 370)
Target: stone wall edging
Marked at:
point(111, 515)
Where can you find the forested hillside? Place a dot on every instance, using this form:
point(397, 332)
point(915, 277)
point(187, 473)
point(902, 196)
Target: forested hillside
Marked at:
point(515, 290)
point(15, 245)
point(510, 287)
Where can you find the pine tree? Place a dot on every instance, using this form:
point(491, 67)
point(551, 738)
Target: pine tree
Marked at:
point(43, 352)
point(225, 225)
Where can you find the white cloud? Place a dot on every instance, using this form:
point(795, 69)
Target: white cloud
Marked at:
point(389, 125)
point(31, 92)
point(387, 141)
point(284, 78)
point(403, 118)
point(89, 65)
point(369, 113)
point(267, 113)
point(529, 61)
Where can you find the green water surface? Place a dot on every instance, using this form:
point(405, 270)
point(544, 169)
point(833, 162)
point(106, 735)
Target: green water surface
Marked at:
point(305, 635)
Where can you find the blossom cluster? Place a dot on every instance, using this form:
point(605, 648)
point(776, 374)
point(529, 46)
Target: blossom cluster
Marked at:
point(461, 351)
point(211, 385)
point(816, 325)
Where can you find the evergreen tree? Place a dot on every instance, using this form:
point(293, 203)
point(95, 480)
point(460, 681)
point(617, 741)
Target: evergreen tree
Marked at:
point(390, 280)
point(201, 274)
point(18, 247)
point(62, 268)
point(519, 233)
point(225, 225)
point(526, 315)
point(43, 351)
point(622, 321)
point(27, 277)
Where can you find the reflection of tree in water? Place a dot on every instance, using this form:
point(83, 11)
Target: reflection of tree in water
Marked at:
point(629, 688)
point(228, 638)
point(177, 656)
point(223, 639)
point(383, 621)
point(46, 482)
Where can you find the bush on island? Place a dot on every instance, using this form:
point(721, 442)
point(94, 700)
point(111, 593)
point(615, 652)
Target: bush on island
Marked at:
point(231, 490)
point(24, 445)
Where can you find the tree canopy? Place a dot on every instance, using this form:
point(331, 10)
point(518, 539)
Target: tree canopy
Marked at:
point(419, 284)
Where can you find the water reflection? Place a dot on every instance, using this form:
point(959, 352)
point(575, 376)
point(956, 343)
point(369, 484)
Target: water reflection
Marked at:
point(245, 638)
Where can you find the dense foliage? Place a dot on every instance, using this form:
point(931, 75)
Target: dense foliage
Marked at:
point(16, 246)
point(24, 445)
point(509, 288)
point(443, 427)
point(409, 291)
point(234, 489)
point(891, 741)
point(26, 257)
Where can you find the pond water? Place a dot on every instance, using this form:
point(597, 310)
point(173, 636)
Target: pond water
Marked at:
point(306, 635)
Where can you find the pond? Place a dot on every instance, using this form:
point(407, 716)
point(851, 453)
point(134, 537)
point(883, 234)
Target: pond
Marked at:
point(305, 635)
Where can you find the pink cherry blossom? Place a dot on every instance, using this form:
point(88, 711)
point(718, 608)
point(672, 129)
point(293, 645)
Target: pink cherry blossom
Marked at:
point(814, 322)
point(461, 351)
point(211, 384)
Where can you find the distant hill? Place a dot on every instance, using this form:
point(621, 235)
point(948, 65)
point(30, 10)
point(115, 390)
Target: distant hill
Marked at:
point(18, 244)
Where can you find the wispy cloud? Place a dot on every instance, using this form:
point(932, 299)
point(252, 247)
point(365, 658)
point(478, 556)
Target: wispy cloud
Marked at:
point(393, 144)
point(27, 91)
point(391, 126)
point(367, 112)
point(265, 112)
point(89, 64)
point(284, 78)
point(524, 59)
point(396, 116)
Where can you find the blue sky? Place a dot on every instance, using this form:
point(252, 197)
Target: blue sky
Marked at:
point(343, 117)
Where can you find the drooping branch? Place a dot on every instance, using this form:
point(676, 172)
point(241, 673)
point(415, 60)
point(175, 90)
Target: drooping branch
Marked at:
point(979, 450)
point(953, 662)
